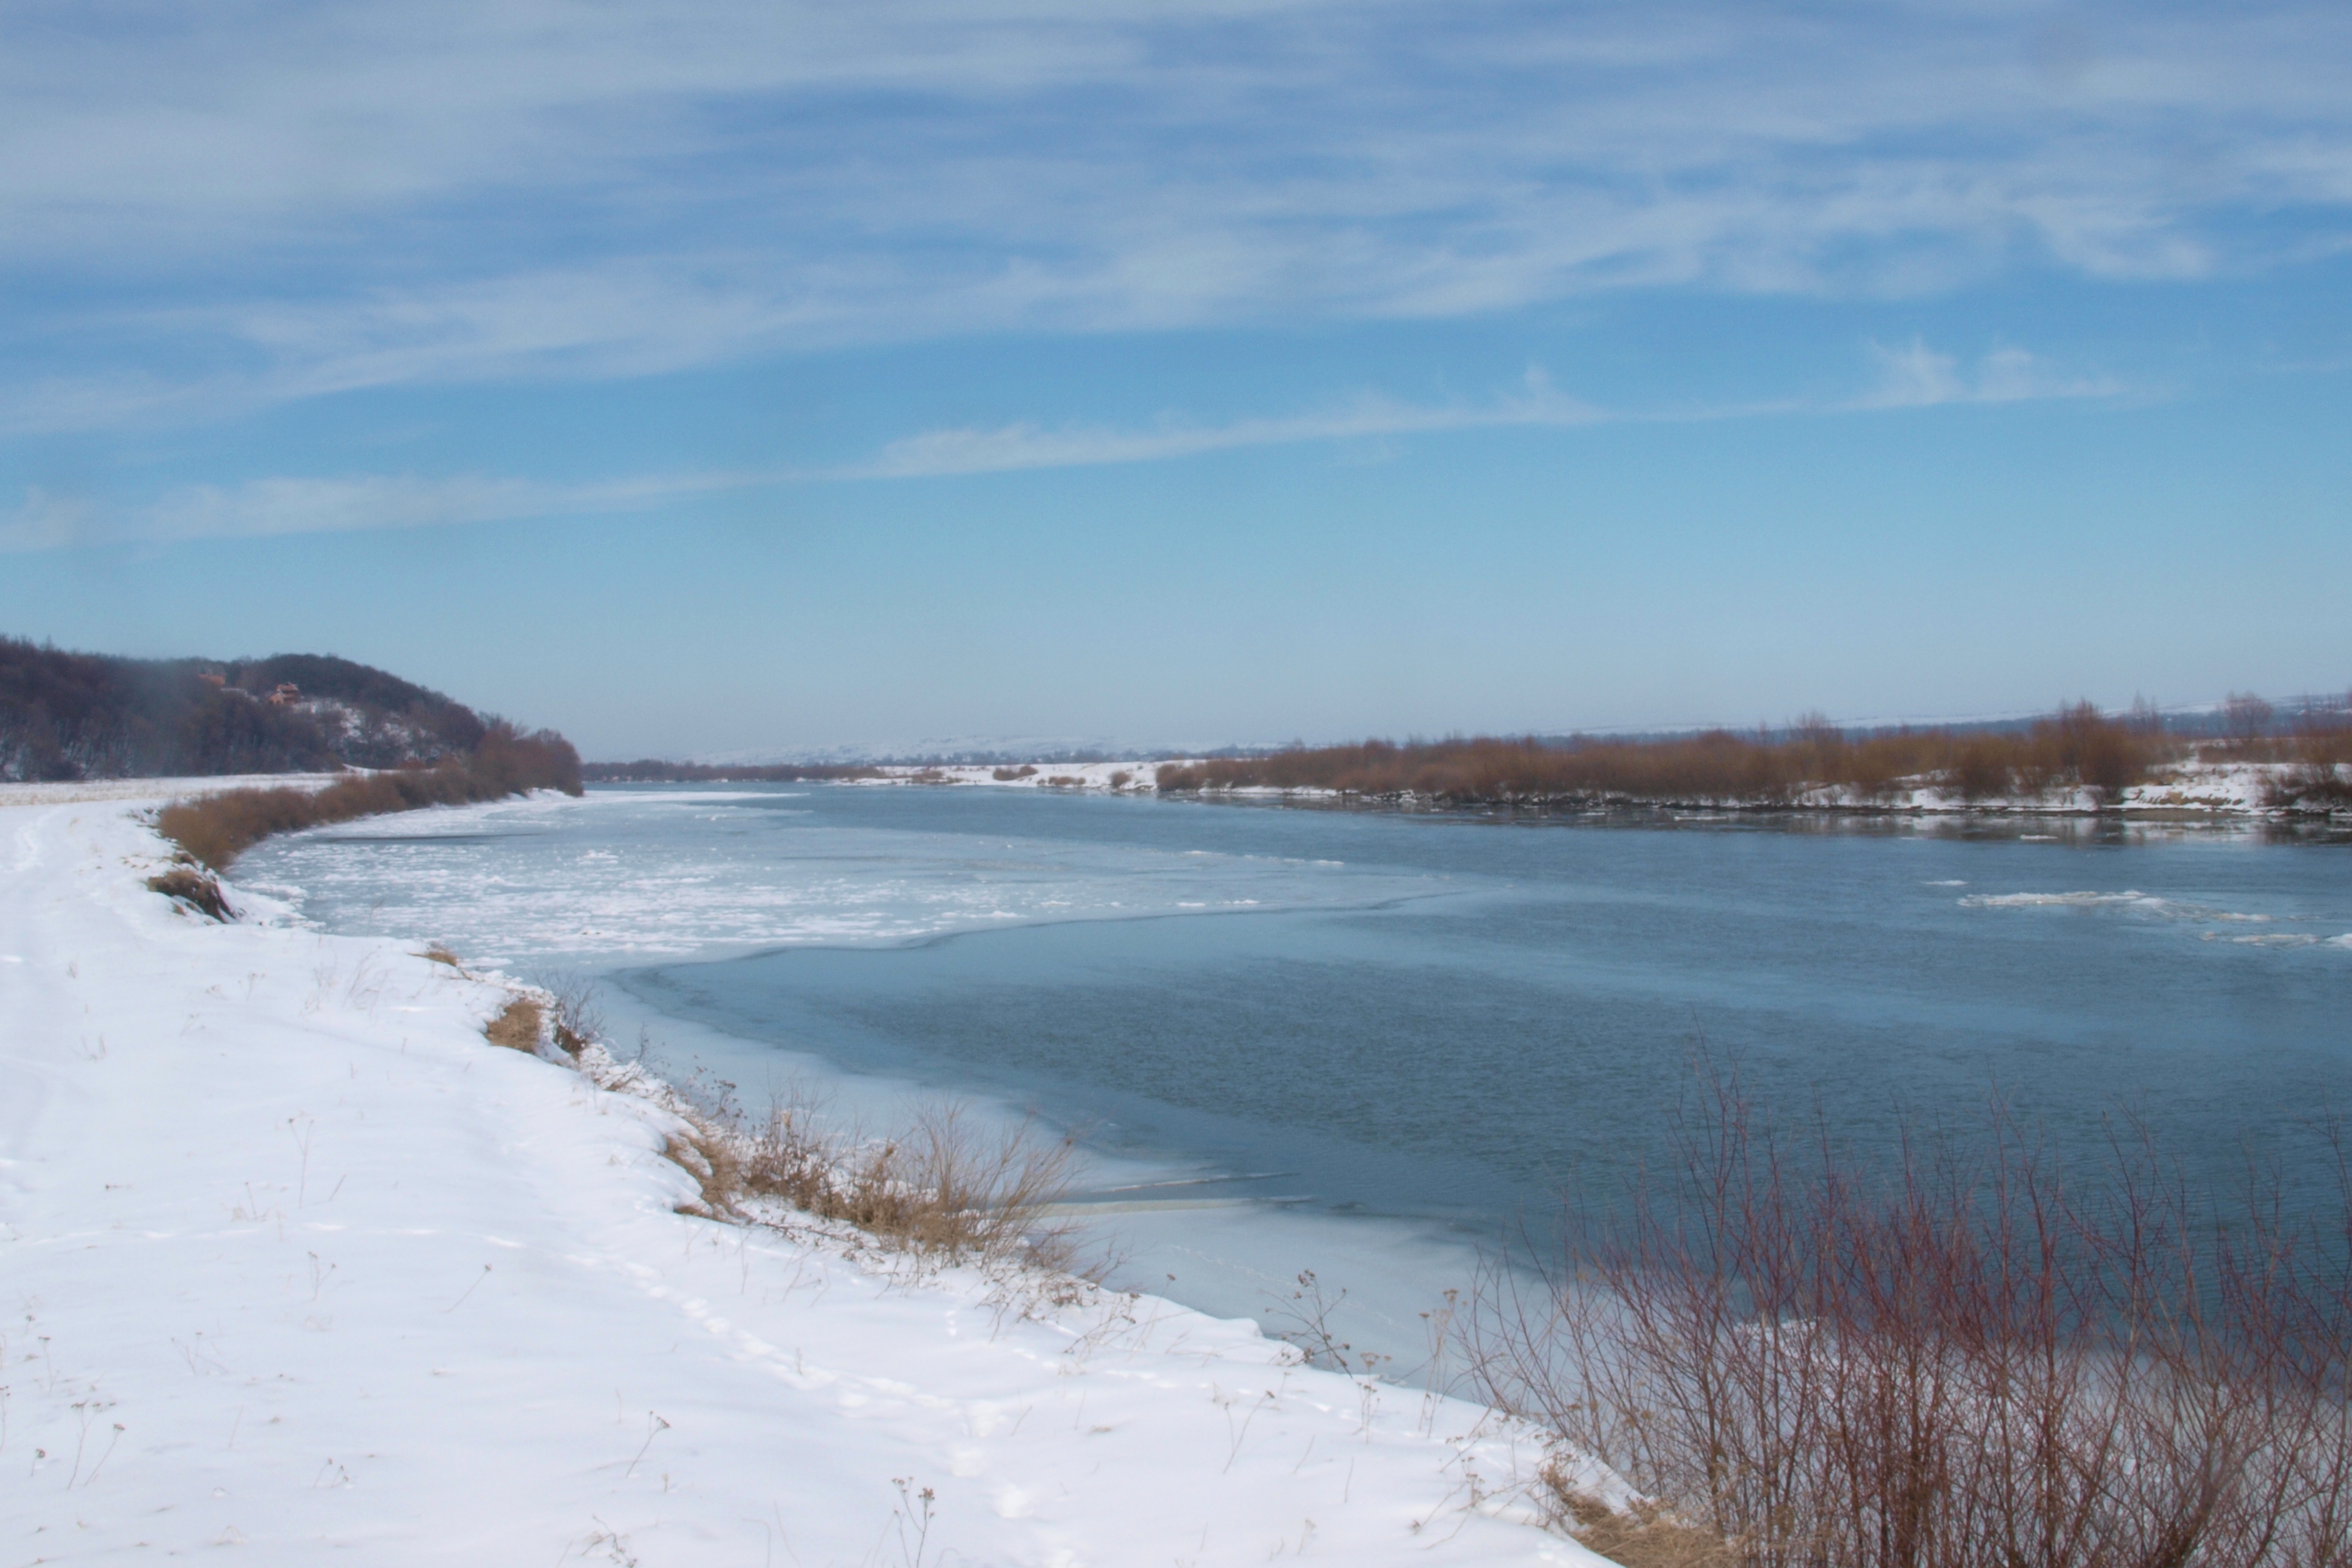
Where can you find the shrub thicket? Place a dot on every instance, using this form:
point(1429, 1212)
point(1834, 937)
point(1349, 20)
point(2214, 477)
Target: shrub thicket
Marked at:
point(2320, 748)
point(2077, 747)
point(217, 828)
point(1966, 1354)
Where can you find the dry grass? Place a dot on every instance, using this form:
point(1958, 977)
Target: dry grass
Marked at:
point(942, 1187)
point(715, 1163)
point(1644, 1535)
point(943, 1190)
point(192, 886)
point(217, 828)
point(1966, 1355)
point(517, 1024)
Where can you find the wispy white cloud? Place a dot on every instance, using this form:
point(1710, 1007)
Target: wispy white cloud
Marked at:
point(291, 201)
point(1006, 447)
point(1912, 376)
point(273, 507)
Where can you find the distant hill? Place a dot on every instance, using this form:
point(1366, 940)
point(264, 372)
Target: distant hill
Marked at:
point(79, 715)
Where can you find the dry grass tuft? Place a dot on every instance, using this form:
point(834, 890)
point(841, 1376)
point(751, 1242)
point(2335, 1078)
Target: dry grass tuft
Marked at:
point(942, 1188)
point(943, 1191)
point(1646, 1535)
point(192, 886)
point(437, 953)
point(516, 1025)
point(710, 1157)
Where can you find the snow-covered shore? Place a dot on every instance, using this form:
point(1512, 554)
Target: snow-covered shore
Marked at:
point(2186, 790)
point(297, 1259)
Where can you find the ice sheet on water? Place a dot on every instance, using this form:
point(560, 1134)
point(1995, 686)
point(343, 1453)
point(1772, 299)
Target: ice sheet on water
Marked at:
point(646, 876)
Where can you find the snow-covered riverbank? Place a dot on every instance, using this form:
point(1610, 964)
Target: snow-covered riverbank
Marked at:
point(295, 1260)
point(2185, 790)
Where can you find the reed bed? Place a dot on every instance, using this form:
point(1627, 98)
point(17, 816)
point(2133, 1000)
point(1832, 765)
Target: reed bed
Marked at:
point(215, 830)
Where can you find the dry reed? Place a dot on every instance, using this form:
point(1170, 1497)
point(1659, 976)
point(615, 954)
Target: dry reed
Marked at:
point(217, 828)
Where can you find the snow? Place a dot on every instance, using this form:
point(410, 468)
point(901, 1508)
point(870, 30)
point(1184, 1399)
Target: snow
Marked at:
point(1115, 777)
point(295, 1260)
point(153, 790)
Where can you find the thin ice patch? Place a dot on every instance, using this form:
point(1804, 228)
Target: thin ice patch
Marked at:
point(2130, 898)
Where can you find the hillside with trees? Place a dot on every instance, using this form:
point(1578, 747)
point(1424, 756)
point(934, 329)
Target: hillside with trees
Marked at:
point(72, 716)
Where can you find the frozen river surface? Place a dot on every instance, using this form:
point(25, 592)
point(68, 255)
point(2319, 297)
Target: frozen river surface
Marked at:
point(1369, 1042)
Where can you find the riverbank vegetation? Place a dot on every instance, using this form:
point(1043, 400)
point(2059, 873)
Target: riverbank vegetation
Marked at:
point(2075, 748)
point(1966, 1351)
point(215, 830)
point(940, 1188)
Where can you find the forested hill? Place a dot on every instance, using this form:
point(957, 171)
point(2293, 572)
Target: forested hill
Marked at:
point(78, 715)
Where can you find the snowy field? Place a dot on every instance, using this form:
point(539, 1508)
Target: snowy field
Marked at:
point(295, 1260)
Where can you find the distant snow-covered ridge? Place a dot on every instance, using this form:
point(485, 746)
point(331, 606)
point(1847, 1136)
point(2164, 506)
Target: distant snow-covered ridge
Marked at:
point(1114, 777)
point(299, 1262)
point(2188, 789)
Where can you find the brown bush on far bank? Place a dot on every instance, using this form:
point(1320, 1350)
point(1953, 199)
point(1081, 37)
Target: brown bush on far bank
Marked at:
point(217, 828)
point(2320, 747)
point(1964, 1355)
point(2076, 747)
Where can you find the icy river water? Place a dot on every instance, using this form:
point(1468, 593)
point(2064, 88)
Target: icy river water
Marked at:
point(1368, 1043)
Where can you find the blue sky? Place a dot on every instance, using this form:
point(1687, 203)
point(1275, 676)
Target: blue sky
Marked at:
point(728, 378)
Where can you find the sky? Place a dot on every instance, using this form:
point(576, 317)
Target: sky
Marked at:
point(750, 377)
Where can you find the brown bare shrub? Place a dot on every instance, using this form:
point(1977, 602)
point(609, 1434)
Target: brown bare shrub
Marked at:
point(579, 1019)
point(517, 1027)
point(2321, 750)
point(217, 828)
point(1960, 1357)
